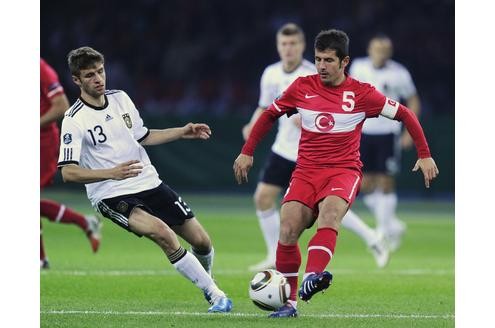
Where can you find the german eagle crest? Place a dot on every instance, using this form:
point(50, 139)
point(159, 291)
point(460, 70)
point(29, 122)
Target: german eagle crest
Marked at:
point(127, 120)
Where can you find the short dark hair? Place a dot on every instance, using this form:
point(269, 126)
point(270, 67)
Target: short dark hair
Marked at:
point(83, 58)
point(333, 40)
point(381, 36)
point(291, 29)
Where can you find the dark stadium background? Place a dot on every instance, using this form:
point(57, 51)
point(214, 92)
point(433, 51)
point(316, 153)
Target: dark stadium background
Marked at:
point(185, 60)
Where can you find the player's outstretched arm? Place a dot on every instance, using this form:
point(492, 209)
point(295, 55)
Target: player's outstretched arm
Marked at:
point(75, 173)
point(188, 131)
point(425, 161)
point(244, 161)
point(242, 165)
point(246, 129)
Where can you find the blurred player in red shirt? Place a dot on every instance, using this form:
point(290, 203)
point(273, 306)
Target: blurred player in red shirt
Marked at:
point(53, 104)
point(333, 108)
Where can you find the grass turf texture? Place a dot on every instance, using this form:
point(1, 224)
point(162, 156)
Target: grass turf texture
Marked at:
point(130, 283)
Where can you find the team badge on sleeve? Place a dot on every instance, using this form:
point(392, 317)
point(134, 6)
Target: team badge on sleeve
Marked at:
point(127, 120)
point(67, 138)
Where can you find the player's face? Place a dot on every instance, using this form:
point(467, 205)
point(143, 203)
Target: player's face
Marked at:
point(329, 66)
point(290, 48)
point(92, 80)
point(380, 50)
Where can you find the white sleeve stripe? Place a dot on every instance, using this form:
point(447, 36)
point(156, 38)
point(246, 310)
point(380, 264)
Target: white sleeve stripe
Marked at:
point(276, 107)
point(390, 108)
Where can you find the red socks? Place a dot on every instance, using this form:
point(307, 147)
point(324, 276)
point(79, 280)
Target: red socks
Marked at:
point(288, 262)
point(320, 252)
point(320, 249)
point(59, 213)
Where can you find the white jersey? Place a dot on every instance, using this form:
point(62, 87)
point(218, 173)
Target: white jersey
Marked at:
point(393, 80)
point(274, 81)
point(103, 137)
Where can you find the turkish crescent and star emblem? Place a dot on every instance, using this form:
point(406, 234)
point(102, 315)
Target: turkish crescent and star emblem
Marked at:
point(127, 120)
point(324, 122)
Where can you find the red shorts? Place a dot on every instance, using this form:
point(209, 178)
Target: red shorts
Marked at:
point(48, 160)
point(310, 186)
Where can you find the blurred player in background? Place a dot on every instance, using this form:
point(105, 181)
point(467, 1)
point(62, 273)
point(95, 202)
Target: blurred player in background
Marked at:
point(275, 176)
point(102, 143)
point(333, 107)
point(382, 139)
point(53, 104)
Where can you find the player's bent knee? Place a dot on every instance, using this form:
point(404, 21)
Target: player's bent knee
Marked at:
point(164, 237)
point(289, 233)
point(202, 243)
point(263, 200)
point(331, 217)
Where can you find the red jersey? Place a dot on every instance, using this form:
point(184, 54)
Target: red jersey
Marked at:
point(332, 119)
point(49, 88)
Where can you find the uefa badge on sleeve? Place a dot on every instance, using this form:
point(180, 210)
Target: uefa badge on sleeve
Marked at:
point(127, 120)
point(67, 138)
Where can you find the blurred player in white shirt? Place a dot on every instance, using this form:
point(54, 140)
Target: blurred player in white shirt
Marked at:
point(277, 171)
point(383, 139)
point(102, 139)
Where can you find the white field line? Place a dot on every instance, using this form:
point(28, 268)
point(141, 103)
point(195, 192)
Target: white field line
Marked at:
point(406, 272)
point(238, 314)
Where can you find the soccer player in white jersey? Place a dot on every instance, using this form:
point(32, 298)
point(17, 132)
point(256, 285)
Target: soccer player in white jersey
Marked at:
point(102, 141)
point(277, 171)
point(382, 138)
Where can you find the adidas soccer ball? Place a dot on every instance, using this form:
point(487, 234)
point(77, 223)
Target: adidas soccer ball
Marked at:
point(269, 290)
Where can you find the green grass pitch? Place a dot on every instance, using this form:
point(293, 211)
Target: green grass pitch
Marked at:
point(130, 283)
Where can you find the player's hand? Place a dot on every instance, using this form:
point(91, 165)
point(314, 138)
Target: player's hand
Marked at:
point(127, 170)
point(429, 169)
point(246, 131)
point(242, 165)
point(406, 140)
point(196, 131)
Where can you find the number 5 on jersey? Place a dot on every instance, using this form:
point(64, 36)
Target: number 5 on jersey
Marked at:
point(348, 100)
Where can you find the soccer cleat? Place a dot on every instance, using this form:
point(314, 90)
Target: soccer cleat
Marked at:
point(44, 264)
point(286, 311)
point(380, 251)
point(266, 264)
point(394, 234)
point(94, 232)
point(314, 283)
point(221, 304)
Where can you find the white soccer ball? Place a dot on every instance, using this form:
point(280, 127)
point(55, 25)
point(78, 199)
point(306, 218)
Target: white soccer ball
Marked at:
point(269, 290)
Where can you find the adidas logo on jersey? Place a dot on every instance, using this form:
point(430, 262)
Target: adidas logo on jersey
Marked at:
point(108, 118)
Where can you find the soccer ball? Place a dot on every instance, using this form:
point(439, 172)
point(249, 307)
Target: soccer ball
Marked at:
point(269, 290)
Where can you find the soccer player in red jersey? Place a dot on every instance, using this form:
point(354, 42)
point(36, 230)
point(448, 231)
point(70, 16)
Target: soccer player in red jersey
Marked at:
point(333, 107)
point(53, 104)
